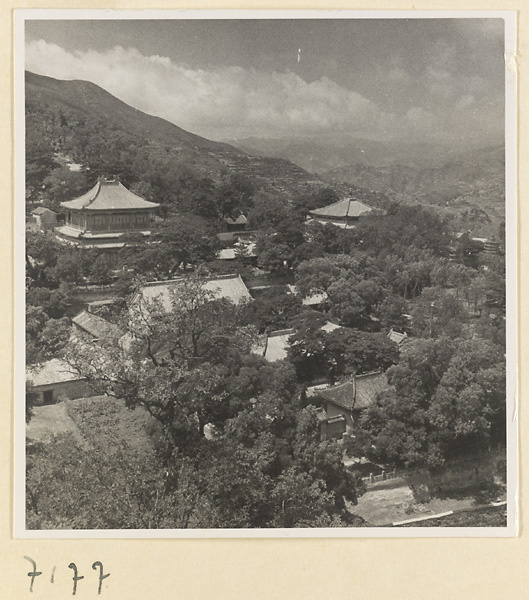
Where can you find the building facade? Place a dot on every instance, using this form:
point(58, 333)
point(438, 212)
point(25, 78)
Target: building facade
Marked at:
point(45, 218)
point(102, 217)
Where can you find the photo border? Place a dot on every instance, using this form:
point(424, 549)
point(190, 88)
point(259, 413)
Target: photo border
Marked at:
point(19, 530)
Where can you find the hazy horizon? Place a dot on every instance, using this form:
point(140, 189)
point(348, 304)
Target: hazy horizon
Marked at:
point(436, 81)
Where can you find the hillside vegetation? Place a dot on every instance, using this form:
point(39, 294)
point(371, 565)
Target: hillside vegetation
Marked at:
point(465, 184)
point(78, 122)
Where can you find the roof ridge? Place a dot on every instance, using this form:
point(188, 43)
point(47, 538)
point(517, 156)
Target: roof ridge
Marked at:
point(369, 373)
point(92, 200)
point(279, 332)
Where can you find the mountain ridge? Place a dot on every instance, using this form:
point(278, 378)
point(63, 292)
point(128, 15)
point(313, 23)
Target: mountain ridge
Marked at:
point(70, 112)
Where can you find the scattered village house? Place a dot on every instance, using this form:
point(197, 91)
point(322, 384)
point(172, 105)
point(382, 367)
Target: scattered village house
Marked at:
point(397, 337)
point(316, 300)
point(238, 224)
point(45, 218)
point(102, 217)
point(240, 249)
point(341, 403)
point(55, 380)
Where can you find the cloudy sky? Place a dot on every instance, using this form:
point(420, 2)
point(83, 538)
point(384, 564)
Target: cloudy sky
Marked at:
point(431, 80)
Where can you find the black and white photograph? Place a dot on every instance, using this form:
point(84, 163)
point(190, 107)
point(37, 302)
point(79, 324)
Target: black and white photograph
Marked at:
point(265, 274)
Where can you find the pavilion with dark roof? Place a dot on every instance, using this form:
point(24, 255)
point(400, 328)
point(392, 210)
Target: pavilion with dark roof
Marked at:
point(102, 216)
point(348, 398)
point(344, 213)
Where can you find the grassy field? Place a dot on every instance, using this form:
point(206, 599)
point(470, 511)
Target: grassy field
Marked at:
point(105, 421)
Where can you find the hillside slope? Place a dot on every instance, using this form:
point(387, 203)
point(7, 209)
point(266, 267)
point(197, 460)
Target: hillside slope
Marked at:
point(470, 184)
point(83, 121)
point(467, 184)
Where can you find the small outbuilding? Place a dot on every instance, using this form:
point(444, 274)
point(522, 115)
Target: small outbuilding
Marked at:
point(238, 224)
point(45, 218)
point(55, 380)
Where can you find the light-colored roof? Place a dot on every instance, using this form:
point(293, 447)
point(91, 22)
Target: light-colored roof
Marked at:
point(95, 325)
point(230, 287)
point(342, 208)
point(397, 337)
point(277, 345)
point(315, 299)
point(340, 224)
point(41, 210)
point(247, 250)
point(312, 300)
point(357, 393)
point(109, 194)
point(53, 371)
point(69, 231)
point(328, 327)
point(226, 254)
point(240, 220)
point(277, 342)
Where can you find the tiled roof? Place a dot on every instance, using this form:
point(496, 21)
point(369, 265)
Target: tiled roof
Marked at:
point(240, 220)
point(109, 194)
point(226, 254)
point(95, 325)
point(397, 337)
point(53, 371)
point(277, 342)
point(312, 300)
point(329, 327)
point(355, 394)
point(230, 287)
point(247, 250)
point(41, 210)
point(342, 208)
point(277, 345)
point(368, 387)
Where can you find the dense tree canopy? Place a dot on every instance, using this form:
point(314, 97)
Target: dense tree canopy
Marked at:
point(233, 444)
point(192, 370)
point(448, 399)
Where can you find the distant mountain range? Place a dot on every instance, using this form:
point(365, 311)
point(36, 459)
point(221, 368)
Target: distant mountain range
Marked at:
point(334, 151)
point(467, 182)
point(82, 121)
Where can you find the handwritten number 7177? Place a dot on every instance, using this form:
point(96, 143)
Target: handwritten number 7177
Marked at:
point(97, 566)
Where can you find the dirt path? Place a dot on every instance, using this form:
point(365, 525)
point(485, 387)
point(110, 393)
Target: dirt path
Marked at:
point(51, 420)
point(386, 505)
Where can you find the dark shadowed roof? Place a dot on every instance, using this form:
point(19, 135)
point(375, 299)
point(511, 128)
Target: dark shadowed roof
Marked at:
point(355, 394)
point(109, 194)
point(342, 208)
point(95, 325)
